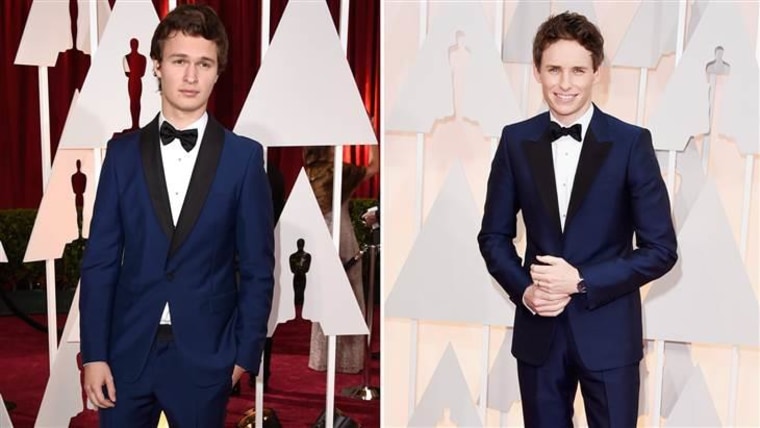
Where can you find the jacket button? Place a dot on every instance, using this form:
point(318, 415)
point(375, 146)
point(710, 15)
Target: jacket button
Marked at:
point(170, 276)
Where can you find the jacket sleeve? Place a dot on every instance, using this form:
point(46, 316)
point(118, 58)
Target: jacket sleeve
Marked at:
point(101, 265)
point(255, 248)
point(499, 227)
point(656, 243)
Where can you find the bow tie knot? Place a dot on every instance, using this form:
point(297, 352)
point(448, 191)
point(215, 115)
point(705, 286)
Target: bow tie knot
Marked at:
point(556, 131)
point(187, 138)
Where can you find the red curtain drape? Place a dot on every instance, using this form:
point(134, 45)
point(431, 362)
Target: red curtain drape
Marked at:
point(20, 161)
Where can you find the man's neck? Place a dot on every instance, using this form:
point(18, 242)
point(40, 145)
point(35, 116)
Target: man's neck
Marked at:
point(180, 119)
point(568, 121)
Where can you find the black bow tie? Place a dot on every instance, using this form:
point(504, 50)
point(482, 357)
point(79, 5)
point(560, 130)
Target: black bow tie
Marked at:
point(556, 131)
point(187, 138)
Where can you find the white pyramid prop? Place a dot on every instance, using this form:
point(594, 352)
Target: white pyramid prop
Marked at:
point(447, 390)
point(3, 257)
point(689, 167)
point(708, 279)
point(83, 22)
point(683, 108)
point(96, 116)
point(5, 419)
point(328, 298)
point(46, 33)
point(737, 115)
point(518, 42)
point(304, 93)
point(503, 386)
point(56, 221)
point(697, 9)
point(63, 397)
point(651, 35)
point(444, 277)
point(695, 407)
point(679, 369)
point(427, 95)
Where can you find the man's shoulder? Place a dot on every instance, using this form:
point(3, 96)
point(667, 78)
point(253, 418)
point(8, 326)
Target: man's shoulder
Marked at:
point(241, 142)
point(619, 127)
point(528, 128)
point(124, 141)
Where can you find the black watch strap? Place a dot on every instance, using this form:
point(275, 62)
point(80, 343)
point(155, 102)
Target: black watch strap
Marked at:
point(581, 286)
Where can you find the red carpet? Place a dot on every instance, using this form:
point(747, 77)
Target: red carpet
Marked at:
point(296, 393)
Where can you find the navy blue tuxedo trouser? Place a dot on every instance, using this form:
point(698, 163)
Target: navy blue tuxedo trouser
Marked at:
point(610, 397)
point(165, 386)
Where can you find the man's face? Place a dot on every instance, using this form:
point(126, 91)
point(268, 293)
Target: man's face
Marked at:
point(188, 72)
point(566, 76)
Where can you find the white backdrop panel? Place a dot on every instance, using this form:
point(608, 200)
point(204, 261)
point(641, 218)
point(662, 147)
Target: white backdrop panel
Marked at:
point(447, 390)
point(457, 67)
point(518, 41)
point(46, 33)
point(63, 397)
point(96, 116)
point(708, 279)
point(328, 298)
point(695, 407)
point(651, 35)
point(503, 386)
point(56, 221)
point(304, 93)
point(444, 277)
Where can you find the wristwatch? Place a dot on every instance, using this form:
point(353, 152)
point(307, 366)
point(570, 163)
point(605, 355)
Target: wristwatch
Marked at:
point(581, 286)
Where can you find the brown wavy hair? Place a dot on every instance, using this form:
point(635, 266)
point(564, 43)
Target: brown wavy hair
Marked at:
point(569, 26)
point(192, 20)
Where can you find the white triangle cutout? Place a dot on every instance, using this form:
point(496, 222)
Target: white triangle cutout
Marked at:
point(5, 418)
point(689, 167)
point(304, 93)
point(651, 35)
point(695, 407)
point(3, 256)
point(503, 386)
point(445, 256)
point(738, 112)
point(678, 370)
point(328, 297)
point(709, 278)
point(518, 42)
point(46, 33)
point(459, 43)
point(103, 105)
point(447, 390)
point(56, 221)
point(63, 393)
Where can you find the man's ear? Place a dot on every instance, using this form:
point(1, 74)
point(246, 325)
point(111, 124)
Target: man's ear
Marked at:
point(157, 68)
point(536, 73)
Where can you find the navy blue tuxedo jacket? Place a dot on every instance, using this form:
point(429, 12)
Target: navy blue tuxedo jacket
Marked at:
point(136, 260)
point(618, 193)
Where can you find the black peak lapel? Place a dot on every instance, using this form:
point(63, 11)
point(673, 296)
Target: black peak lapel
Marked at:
point(200, 182)
point(539, 155)
point(153, 167)
point(593, 153)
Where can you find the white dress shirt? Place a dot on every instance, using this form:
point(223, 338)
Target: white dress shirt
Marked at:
point(566, 152)
point(178, 168)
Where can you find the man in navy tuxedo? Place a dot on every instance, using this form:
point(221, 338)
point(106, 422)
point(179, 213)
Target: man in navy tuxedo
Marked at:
point(164, 325)
point(586, 184)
